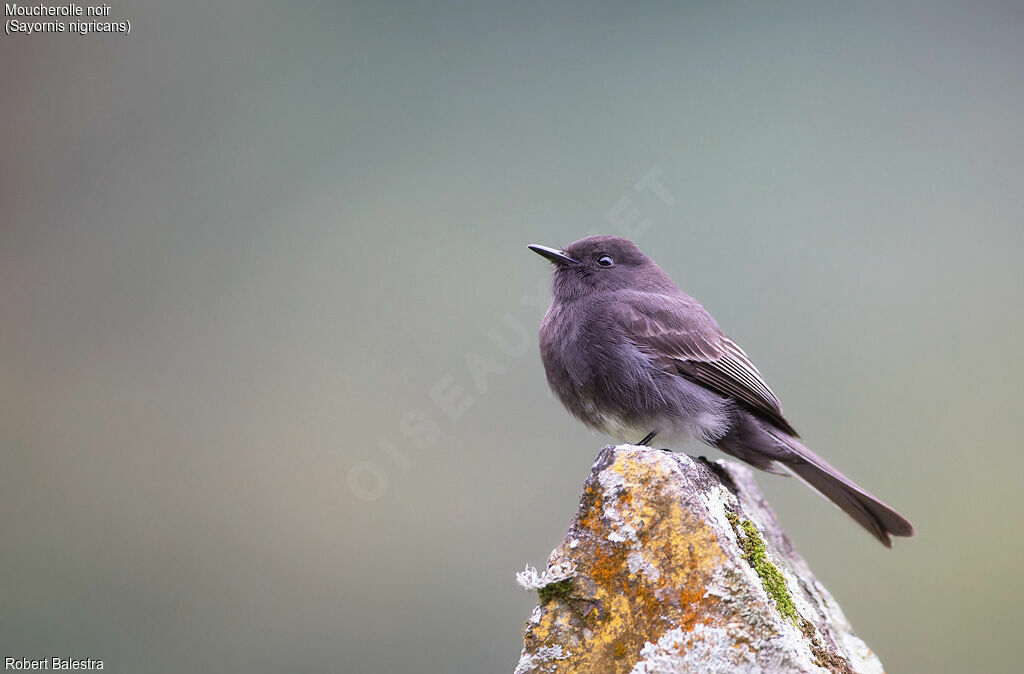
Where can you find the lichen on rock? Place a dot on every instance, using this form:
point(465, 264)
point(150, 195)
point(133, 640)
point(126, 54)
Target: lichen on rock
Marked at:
point(678, 565)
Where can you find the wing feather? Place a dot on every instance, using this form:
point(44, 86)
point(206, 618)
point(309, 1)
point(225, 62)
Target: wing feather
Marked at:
point(679, 333)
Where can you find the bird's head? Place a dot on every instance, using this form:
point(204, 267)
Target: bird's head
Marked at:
point(601, 264)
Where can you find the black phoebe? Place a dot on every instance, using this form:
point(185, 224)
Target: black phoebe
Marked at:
point(629, 354)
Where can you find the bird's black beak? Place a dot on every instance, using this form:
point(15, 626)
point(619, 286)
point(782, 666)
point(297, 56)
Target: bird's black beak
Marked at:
point(556, 256)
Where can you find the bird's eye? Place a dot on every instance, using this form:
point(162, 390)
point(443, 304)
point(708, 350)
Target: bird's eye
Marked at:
point(606, 261)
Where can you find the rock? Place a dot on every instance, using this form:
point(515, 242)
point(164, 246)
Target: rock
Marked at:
point(676, 564)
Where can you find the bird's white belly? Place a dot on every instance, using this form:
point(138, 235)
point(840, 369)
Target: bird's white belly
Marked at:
point(675, 431)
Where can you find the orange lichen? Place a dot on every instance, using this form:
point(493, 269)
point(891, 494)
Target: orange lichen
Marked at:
point(680, 555)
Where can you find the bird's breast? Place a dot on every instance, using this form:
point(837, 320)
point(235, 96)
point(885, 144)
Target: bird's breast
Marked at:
point(607, 382)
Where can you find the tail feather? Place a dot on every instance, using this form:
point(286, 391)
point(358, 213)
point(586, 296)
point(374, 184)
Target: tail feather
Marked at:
point(765, 446)
point(871, 513)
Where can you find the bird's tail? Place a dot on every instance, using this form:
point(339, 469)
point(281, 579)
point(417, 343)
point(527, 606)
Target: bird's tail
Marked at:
point(875, 516)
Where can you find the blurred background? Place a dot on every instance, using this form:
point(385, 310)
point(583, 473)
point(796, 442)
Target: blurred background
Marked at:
point(270, 397)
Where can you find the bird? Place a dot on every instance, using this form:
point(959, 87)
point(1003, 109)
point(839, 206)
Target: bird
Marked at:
point(631, 355)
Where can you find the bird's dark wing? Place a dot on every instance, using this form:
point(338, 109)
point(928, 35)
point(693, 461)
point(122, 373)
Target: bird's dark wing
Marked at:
point(679, 333)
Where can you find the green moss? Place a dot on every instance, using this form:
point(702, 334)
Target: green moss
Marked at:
point(823, 657)
point(774, 582)
point(559, 590)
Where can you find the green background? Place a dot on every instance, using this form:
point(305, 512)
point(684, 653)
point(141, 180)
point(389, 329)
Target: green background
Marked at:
point(241, 244)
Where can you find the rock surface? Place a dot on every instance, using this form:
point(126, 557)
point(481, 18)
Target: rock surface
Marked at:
point(676, 564)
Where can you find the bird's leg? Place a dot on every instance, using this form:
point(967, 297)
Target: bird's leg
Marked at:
point(647, 438)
